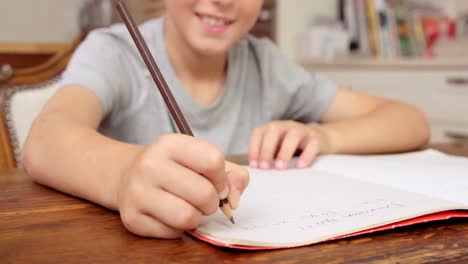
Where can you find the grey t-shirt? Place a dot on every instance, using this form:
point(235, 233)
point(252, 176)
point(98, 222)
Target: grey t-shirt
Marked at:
point(261, 86)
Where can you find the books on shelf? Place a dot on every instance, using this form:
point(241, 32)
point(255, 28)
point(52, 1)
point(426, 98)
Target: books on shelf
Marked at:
point(393, 28)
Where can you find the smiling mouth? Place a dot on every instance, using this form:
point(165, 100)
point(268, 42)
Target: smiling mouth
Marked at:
point(214, 21)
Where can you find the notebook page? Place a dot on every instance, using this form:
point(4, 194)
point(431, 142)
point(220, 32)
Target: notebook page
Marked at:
point(299, 207)
point(439, 176)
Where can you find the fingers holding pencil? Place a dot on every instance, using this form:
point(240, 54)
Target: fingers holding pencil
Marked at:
point(199, 156)
point(238, 178)
point(175, 188)
point(208, 161)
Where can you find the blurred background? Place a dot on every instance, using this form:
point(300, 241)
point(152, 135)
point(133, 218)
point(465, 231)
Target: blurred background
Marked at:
point(414, 51)
point(302, 28)
point(58, 21)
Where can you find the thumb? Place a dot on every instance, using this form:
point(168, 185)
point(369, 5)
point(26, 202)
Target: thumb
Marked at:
point(238, 178)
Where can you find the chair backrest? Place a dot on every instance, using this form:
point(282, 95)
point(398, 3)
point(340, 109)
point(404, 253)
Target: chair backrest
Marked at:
point(21, 106)
point(23, 93)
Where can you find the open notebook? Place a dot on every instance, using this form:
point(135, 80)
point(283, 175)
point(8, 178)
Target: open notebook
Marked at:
point(341, 196)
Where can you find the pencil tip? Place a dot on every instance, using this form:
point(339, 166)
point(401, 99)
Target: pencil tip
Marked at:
point(232, 220)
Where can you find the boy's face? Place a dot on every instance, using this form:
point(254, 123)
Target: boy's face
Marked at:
point(212, 26)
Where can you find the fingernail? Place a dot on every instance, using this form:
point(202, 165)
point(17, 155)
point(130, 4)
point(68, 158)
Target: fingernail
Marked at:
point(301, 164)
point(264, 165)
point(224, 193)
point(279, 164)
point(234, 198)
point(253, 164)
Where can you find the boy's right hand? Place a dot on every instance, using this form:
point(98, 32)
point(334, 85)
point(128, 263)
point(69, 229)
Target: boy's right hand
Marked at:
point(172, 183)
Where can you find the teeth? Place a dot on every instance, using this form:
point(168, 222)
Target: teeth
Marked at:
point(212, 21)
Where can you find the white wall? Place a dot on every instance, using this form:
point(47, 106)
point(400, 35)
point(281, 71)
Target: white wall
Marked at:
point(39, 20)
point(293, 16)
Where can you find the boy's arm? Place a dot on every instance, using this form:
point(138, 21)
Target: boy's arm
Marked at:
point(359, 123)
point(64, 151)
point(355, 123)
point(160, 190)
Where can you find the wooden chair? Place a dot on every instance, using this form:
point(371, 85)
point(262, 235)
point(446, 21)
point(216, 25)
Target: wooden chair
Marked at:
point(23, 92)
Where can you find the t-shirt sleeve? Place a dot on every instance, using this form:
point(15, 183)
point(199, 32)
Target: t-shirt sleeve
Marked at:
point(291, 92)
point(98, 65)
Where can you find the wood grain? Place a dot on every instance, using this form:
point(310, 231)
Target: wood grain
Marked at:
point(7, 159)
point(40, 225)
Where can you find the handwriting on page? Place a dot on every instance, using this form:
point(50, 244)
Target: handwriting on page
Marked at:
point(317, 218)
point(296, 207)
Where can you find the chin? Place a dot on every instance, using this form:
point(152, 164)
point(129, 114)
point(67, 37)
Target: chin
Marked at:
point(211, 49)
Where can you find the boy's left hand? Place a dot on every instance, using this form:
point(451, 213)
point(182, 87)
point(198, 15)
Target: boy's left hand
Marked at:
point(273, 145)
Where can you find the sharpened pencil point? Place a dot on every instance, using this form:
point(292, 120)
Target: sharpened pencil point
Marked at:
point(232, 220)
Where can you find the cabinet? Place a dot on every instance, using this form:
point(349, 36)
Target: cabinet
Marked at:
point(439, 88)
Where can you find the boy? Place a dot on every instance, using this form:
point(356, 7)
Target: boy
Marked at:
point(106, 136)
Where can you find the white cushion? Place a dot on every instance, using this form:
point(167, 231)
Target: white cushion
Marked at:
point(23, 107)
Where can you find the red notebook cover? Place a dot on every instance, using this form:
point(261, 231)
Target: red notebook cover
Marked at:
point(417, 220)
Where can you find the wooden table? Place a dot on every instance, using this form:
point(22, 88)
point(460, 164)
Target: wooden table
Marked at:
point(40, 225)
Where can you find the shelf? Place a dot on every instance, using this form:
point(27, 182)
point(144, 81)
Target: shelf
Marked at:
point(393, 64)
